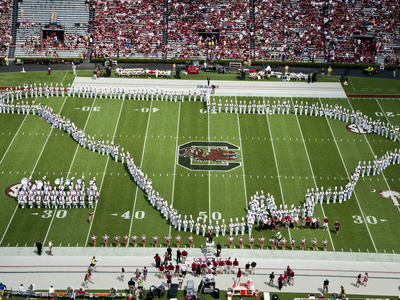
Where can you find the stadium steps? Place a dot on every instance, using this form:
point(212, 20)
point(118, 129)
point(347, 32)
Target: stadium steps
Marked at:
point(92, 16)
point(14, 22)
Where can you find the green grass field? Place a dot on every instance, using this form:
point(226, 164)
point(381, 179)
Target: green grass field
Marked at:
point(283, 296)
point(280, 154)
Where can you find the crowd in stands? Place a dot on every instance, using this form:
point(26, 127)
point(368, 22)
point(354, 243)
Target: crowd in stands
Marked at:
point(347, 19)
point(126, 27)
point(229, 17)
point(296, 30)
point(284, 30)
point(5, 29)
point(51, 44)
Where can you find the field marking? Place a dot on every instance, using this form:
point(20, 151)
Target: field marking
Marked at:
point(287, 139)
point(66, 72)
point(209, 172)
point(348, 176)
point(104, 174)
point(69, 171)
point(174, 172)
point(257, 176)
point(383, 175)
point(176, 161)
point(277, 168)
point(33, 170)
point(141, 163)
point(244, 177)
point(9, 146)
point(312, 170)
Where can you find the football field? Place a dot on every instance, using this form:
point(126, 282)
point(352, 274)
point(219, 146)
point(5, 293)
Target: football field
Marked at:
point(280, 154)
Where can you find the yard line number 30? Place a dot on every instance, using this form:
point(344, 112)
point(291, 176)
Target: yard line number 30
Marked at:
point(370, 219)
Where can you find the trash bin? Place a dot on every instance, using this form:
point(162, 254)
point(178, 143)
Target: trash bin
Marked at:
point(216, 293)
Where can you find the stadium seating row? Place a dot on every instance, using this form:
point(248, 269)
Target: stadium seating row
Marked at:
point(297, 30)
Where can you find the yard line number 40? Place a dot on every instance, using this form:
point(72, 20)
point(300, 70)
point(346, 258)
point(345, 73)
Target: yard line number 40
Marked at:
point(138, 215)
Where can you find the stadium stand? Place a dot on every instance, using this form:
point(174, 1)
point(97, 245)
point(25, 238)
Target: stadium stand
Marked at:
point(353, 31)
point(127, 28)
point(52, 28)
point(5, 29)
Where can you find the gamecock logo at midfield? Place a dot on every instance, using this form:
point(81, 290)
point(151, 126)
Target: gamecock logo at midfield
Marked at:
point(209, 156)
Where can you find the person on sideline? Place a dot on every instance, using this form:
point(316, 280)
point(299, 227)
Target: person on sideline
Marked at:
point(325, 286)
point(39, 247)
point(3, 288)
point(51, 248)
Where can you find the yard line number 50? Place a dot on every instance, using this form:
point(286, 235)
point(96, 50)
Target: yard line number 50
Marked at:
point(203, 216)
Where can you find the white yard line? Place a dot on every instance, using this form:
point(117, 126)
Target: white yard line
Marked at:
point(312, 171)
point(176, 161)
point(9, 223)
point(141, 164)
point(209, 172)
point(64, 77)
point(244, 177)
point(104, 174)
point(9, 146)
point(348, 177)
point(277, 168)
point(383, 175)
point(69, 170)
point(33, 170)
